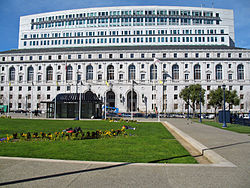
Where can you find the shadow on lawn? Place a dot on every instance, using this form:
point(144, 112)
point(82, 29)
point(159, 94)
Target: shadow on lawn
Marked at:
point(61, 174)
point(211, 148)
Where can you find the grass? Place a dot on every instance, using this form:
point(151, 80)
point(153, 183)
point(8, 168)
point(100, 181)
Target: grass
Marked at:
point(150, 142)
point(231, 127)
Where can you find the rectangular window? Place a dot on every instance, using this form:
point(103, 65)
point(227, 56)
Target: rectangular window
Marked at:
point(175, 96)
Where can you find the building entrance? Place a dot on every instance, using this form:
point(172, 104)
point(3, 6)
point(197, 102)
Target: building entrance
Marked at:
point(134, 102)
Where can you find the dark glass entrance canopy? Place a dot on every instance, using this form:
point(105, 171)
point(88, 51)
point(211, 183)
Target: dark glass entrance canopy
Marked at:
point(69, 104)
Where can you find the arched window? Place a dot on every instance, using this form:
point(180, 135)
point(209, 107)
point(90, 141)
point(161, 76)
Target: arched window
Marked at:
point(69, 73)
point(153, 72)
point(175, 72)
point(49, 73)
point(89, 72)
point(12, 74)
point(218, 72)
point(131, 72)
point(30, 75)
point(110, 72)
point(197, 72)
point(240, 72)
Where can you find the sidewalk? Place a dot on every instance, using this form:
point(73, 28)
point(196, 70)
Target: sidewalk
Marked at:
point(232, 146)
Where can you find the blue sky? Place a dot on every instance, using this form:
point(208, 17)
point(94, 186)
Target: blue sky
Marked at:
point(11, 10)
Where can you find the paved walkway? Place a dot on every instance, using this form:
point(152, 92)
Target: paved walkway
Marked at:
point(232, 146)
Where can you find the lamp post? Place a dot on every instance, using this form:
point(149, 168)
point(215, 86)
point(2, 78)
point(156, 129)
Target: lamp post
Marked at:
point(224, 107)
point(188, 109)
point(200, 107)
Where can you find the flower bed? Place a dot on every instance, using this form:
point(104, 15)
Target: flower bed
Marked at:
point(80, 135)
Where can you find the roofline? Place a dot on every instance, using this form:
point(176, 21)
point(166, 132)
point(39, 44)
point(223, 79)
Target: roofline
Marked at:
point(115, 48)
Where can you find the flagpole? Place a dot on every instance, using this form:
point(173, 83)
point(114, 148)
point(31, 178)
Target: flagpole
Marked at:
point(131, 100)
point(9, 100)
point(105, 114)
point(31, 102)
point(55, 108)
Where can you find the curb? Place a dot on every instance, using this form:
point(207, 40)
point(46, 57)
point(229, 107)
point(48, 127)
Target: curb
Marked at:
point(215, 158)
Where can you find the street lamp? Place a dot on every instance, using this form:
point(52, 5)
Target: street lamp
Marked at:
point(224, 107)
point(200, 107)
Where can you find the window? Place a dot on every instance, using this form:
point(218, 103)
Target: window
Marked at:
point(186, 77)
point(218, 72)
point(240, 55)
point(175, 88)
point(48, 88)
point(230, 88)
point(100, 56)
point(175, 55)
point(89, 72)
point(208, 66)
point(153, 55)
point(142, 55)
point(49, 73)
point(208, 77)
point(197, 55)
point(120, 77)
point(241, 106)
point(59, 77)
point(208, 88)
point(89, 56)
point(142, 76)
point(142, 66)
point(229, 66)
point(30, 74)
point(121, 56)
point(197, 72)
point(110, 72)
point(240, 72)
point(175, 72)
point(48, 96)
point(99, 77)
point(68, 88)
point(230, 77)
point(69, 73)
point(153, 72)
point(40, 58)
point(153, 88)
point(50, 57)
point(69, 56)
point(218, 55)
point(38, 96)
point(110, 56)
point(79, 56)
point(207, 55)
point(31, 58)
point(186, 55)
point(175, 106)
point(20, 88)
point(131, 72)
point(131, 55)
point(186, 66)
point(29, 88)
point(12, 74)
point(38, 88)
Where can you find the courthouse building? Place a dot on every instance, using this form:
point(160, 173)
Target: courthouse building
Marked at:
point(153, 51)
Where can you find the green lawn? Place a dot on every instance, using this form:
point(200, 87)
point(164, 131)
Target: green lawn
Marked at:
point(231, 127)
point(150, 142)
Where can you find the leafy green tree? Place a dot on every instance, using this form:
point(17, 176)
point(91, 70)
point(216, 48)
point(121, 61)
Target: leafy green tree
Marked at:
point(191, 95)
point(215, 98)
point(232, 98)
